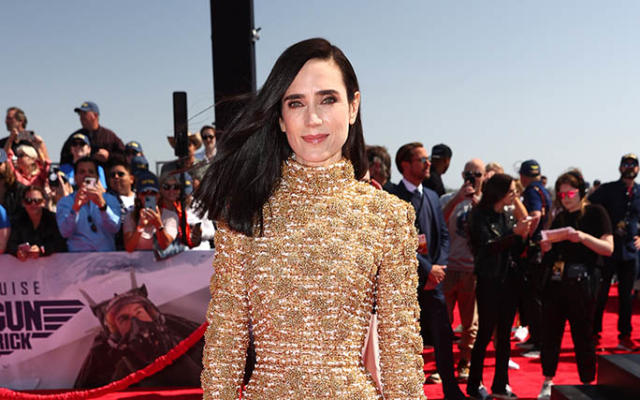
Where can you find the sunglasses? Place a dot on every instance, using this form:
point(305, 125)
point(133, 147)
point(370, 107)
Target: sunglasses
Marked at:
point(423, 160)
point(208, 137)
point(476, 174)
point(32, 200)
point(149, 193)
point(175, 186)
point(570, 194)
point(20, 155)
point(77, 144)
point(131, 152)
point(629, 165)
point(93, 226)
point(119, 174)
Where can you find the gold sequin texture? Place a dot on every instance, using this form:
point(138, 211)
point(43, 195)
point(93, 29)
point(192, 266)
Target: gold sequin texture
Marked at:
point(306, 288)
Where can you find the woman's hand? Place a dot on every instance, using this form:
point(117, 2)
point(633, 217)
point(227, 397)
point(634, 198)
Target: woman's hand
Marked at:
point(522, 227)
point(576, 236)
point(545, 245)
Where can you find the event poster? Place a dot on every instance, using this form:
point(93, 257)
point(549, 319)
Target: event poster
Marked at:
point(78, 319)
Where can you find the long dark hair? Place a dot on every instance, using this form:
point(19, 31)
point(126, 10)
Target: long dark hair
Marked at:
point(247, 167)
point(494, 190)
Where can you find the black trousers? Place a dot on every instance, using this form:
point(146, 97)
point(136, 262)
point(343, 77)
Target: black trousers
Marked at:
point(573, 301)
point(530, 302)
point(626, 272)
point(436, 328)
point(496, 310)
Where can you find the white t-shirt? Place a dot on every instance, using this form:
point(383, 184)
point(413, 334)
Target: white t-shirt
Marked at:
point(169, 220)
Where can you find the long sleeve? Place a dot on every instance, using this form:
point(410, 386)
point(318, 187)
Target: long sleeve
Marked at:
point(65, 216)
point(111, 216)
point(227, 336)
point(398, 312)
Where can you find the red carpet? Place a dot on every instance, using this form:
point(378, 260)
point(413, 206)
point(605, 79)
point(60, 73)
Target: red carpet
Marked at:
point(526, 381)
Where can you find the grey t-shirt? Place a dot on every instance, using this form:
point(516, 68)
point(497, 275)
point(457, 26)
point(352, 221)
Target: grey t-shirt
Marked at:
point(460, 256)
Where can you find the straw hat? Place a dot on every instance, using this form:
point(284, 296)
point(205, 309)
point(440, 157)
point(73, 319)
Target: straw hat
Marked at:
point(191, 136)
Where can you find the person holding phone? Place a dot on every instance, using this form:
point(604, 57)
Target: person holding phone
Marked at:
point(32, 159)
point(146, 220)
point(34, 230)
point(89, 218)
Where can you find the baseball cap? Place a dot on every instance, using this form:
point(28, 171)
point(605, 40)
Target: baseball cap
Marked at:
point(138, 164)
point(441, 151)
point(530, 168)
point(146, 181)
point(88, 106)
point(629, 157)
point(81, 136)
point(188, 184)
point(133, 145)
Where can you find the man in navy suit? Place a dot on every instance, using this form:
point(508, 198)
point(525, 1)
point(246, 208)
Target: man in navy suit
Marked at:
point(412, 161)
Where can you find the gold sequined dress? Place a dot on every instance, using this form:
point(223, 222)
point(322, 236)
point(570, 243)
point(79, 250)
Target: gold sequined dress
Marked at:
point(307, 288)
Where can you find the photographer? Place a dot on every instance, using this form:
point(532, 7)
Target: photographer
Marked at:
point(33, 163)
point(621, 199)
point(89, 218)
point(146, 220)
point(58, 186)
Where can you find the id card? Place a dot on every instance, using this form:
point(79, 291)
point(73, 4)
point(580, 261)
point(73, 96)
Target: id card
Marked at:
point(557, 270)
point(422, 244)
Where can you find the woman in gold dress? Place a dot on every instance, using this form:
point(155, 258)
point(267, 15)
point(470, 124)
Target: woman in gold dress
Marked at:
point(303, 248)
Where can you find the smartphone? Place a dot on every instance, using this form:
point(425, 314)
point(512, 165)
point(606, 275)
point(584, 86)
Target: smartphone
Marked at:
point(24, 247)
point(89, 181)
point(26, 135)
point(150, 202)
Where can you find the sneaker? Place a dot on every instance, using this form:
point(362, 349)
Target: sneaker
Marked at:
point(521, 334)
point(545, 392)
point(507, 394)
point(479, 394)
point(433, 378)
point(533, 353)
point(528, 345)
point(513, 365)
point(626, 344)
point(463, 370)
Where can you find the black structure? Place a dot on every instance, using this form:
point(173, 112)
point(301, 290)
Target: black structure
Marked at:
point(618, 378)
point(180, 124)
point(234, 66)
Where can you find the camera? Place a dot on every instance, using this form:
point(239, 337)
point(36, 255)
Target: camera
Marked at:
point(468, 177)
point(53, 178)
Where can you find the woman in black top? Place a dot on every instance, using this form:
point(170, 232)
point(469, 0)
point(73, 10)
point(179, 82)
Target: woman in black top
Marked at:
point(569, 293)
point(34, 230)
point(496, 240)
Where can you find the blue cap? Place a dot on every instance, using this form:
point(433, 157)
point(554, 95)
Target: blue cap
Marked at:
point(3, 156)
point(146, 181)
point(530, 168)
point(188, 183)
point(133, 145)
point(88, 106)
point(81, 136)
point(139, 163)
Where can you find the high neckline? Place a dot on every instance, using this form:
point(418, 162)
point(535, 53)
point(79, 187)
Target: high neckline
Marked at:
point(297, 177)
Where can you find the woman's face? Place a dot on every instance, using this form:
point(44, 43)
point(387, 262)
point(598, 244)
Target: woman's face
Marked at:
point(171, 190)
point(25, 163)
point(569, 197)
point(316, 113)
point(33, 200)
point(508, 199)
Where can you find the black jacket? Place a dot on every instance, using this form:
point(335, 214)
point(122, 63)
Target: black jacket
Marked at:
point(495, 247)
point(47, 233)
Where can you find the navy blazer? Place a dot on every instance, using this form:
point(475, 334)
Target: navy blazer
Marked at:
point(437, 238)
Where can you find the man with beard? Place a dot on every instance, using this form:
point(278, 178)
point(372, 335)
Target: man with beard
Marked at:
point(134, 334)
point(621, 199)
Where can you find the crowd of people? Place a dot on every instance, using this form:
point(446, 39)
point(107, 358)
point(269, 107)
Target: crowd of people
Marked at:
point(513, 250)
point(496, 247)
point(99, 195)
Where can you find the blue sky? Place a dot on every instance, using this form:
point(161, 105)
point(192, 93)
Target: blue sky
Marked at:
point(501, 80)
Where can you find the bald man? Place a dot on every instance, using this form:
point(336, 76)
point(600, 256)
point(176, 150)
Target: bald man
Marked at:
point(459, 284)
